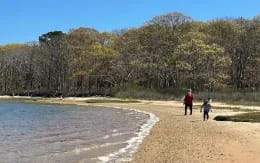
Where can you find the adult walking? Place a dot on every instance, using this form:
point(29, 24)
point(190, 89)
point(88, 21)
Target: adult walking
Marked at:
point(188, 101)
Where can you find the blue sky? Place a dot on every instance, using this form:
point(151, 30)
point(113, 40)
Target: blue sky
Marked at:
point(24, 20)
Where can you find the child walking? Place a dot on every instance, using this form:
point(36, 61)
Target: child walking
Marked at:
point(206, 109)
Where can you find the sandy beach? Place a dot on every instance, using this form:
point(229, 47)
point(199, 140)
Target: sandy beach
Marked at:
point(178, 138)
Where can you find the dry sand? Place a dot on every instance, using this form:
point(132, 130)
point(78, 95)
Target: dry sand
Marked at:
point(186, 139)
point(179, 138)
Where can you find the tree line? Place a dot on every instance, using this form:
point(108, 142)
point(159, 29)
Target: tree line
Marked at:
point(169, 51)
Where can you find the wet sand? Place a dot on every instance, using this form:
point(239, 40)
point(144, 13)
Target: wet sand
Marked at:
point(179, 138)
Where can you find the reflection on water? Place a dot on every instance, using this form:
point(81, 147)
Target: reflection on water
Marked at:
point(57, 133)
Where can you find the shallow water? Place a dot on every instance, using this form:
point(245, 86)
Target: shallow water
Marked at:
point(63, 133)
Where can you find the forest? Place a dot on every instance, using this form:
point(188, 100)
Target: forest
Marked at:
point(169, 52)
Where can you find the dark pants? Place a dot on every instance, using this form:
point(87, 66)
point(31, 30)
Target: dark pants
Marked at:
point(186, 106)
point(206, 115)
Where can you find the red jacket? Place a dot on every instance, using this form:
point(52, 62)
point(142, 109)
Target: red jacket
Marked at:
point(188, 99)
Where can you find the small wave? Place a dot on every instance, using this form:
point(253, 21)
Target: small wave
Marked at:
point(80, 150)
point(115, 130)
point(116, 134)
point(106, 136)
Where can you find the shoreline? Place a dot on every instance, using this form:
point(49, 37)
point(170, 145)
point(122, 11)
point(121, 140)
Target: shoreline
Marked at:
point(134, 142)
point(178, 138)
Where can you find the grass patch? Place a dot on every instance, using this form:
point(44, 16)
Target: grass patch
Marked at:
point(235, 109)
point(27, 100)
point(17, 100)
point(110, 101)
point(243, 102)
point(244, 117)
point(43, 101)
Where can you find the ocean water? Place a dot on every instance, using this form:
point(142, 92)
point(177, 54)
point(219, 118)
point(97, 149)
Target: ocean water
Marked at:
point(69, 133)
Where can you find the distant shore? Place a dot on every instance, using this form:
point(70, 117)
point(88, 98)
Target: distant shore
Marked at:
point(178, 138)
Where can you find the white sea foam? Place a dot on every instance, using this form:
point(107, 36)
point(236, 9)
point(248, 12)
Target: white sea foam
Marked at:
point(115, 130)
point(79, 150)
point(125, 154)
point(106, 136)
